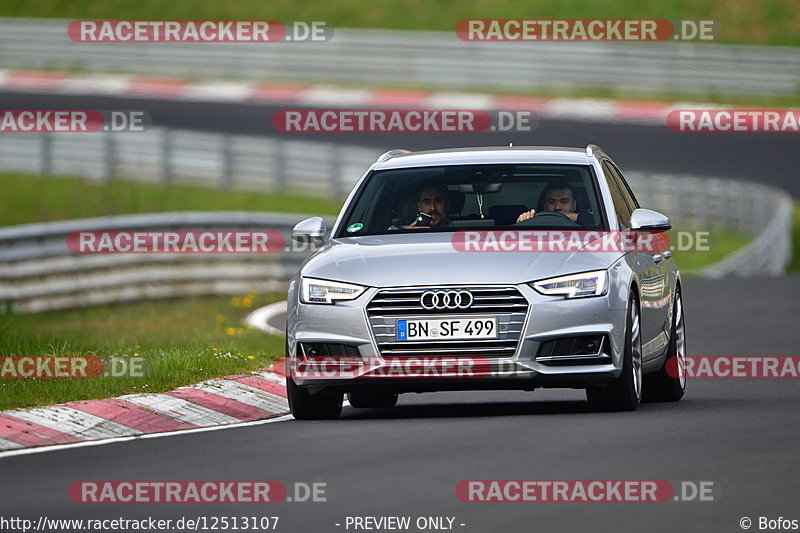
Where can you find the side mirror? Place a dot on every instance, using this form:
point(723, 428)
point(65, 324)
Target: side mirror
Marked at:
point(649, 219)
point(311, 230)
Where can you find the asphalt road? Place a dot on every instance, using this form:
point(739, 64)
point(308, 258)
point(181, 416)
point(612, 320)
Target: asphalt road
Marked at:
point(762, 157)
point(739, 434)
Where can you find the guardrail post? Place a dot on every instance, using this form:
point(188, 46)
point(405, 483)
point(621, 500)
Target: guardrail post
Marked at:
point(704, 205)
point(226, 176)
point(109, 156)
point(166, 156)
point(281, 166)
point(47, 154)
point(336, 172)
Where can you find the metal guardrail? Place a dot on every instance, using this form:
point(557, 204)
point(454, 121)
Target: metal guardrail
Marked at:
point(431, 59)
point(761, 211)
point(184, 156)
point(38, 272)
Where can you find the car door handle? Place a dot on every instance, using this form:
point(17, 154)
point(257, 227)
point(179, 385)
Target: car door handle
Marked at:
point(657, 258)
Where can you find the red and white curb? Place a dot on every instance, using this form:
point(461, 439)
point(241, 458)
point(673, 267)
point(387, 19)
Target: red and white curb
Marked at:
point(223, 402)
point(137, 86)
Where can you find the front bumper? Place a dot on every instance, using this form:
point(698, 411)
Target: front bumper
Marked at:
point(547, 318)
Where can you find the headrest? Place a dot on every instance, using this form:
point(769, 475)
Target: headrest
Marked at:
point(506, 215)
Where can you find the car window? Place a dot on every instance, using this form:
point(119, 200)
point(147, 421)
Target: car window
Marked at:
point(621, 206)
point(477, 196)
point(624, 187)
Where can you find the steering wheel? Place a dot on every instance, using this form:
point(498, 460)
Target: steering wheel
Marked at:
point(546, 218)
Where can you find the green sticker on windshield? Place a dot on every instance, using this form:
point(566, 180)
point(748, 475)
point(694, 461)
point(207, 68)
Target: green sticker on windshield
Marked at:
point(352, 228)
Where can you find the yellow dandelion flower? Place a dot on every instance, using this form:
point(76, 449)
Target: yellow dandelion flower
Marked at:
point(250, 357)
point(230, 331)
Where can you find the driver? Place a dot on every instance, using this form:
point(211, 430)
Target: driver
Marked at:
point(558, 197)
point(435, 201)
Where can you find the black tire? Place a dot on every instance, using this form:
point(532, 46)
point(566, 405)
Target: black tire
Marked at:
point(306, 406)
point(625, 392)
point(372, 399)
point(669, 383)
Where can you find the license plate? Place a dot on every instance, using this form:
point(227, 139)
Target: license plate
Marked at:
point(447, 329)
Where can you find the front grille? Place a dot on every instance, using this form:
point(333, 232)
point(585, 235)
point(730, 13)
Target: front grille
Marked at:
point(505, 303)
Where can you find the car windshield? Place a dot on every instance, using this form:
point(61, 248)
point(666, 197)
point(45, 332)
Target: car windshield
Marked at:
point(485, 197)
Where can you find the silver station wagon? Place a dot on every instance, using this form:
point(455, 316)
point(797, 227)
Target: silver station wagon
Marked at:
point(486, 268)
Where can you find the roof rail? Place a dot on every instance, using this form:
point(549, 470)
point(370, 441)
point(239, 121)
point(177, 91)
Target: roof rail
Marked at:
point(590, 148)
point(392, 153)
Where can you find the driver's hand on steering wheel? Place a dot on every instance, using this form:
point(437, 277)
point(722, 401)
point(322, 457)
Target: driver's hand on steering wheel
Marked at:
point(529, 214)
point(525, 216)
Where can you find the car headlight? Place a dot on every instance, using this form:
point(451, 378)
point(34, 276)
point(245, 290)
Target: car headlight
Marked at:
point(575, 285)
point(320, 291)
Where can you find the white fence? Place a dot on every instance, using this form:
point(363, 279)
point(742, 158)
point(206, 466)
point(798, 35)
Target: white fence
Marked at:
point(430, 59)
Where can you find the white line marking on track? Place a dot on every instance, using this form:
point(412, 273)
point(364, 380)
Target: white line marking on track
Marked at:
point(323, 95)
point(97, 84)
point(218, 91)
point(259, 319)
point(460, 101)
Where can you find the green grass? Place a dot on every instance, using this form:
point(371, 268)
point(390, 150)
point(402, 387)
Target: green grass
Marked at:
point(794, 262)
point(773, 22)
point(721, 243)
point(26, 199)
point(182, 342)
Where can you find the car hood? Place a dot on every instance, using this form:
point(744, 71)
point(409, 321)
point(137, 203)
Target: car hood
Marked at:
point(432, 259)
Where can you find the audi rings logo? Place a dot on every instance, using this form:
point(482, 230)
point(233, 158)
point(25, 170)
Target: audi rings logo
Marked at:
point(446, 300)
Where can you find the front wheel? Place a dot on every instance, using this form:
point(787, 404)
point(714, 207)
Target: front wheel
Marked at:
point(306, 406)
point(625, 392)
point(669, 383)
